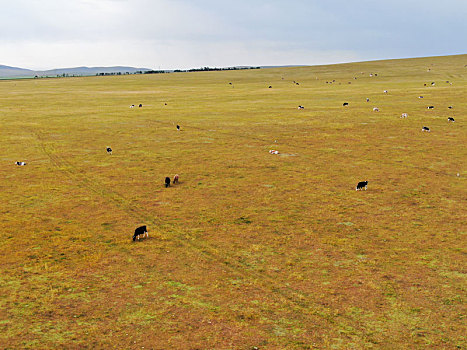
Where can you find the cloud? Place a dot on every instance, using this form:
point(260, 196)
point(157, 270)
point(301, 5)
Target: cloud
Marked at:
point(182, 33)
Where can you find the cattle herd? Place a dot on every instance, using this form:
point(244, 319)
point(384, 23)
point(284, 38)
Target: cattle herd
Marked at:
point(363, 184)
point(142, 230)
point(167, 181)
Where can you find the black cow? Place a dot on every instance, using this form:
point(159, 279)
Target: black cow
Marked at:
point(430, 107)
point(167, 182)
point(451, 119)
point(142, 230)
point(361, 185)
point(420, 96)
point(178, 127)
point(109, 150)
point(20, 163)
point(426, 128)
point(450, 107)
point(301, 107)
point(367, 99)
point(270, 87)
point(140, 105)
point(345, 104)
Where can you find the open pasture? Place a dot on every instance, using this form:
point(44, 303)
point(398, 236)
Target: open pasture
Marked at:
point(250, 249)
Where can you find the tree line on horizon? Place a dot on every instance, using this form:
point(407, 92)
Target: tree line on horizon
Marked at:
point(203, 69)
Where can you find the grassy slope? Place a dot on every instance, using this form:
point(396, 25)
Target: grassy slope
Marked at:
point(250, 249)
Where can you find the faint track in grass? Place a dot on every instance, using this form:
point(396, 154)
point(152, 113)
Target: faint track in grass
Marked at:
point(298, 301)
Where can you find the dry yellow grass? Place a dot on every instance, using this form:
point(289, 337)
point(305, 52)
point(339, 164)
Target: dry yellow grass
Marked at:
point(250, 249)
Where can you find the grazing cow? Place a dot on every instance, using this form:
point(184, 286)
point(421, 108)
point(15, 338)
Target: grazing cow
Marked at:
point(375, 109)
point(450, 107)
point(345, 104)
point(420, 96)
point(361, 185)
point(165, 104)
point(20, 163)
point(430, 107)
point(140, 105)
point(301, 107)
point(424, 84)
point(175, 181)
point(385, 91)
point(142, 230)
point(273, 151)
point(178, 127)
point(167, 182)
point(404, 115)
point(270, 87)
point(451, 119)
point(230, 83)
point(109, 150)
point(132, 106)
point(426, 128)
point(297, 84)
point(367, 99)
point(433, 83)
point(376, 74)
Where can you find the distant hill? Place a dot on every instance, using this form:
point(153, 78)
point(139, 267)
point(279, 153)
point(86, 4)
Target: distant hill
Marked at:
point(7, 71)
point(286, 66)
point(15, 72)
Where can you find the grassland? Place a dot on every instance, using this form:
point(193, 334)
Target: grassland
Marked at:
point(250, 249)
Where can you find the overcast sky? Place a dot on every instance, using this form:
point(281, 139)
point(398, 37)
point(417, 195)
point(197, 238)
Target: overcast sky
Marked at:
point(167, 34)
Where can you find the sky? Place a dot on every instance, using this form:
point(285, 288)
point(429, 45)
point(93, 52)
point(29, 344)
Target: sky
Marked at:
point(171, 34)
